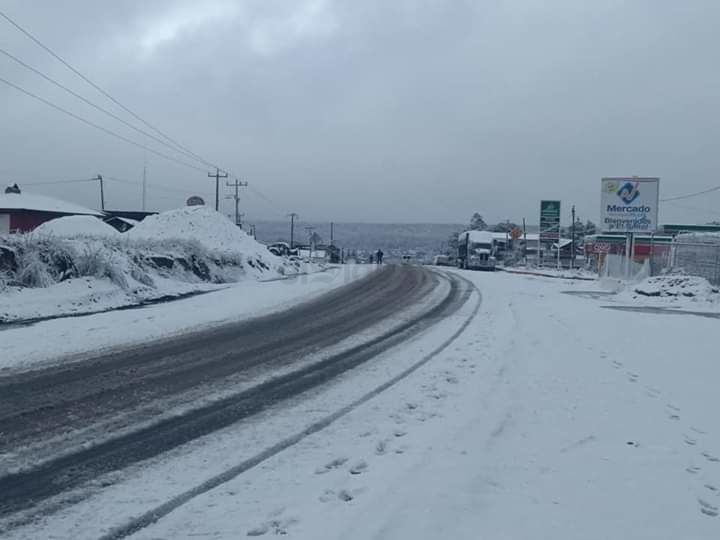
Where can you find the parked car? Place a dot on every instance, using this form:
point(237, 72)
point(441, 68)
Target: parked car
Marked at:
point(443, 260)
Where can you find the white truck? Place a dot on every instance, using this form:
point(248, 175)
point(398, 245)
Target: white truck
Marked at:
point(476, 250)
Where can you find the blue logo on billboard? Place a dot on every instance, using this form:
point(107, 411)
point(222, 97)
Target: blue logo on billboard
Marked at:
point(628, 192)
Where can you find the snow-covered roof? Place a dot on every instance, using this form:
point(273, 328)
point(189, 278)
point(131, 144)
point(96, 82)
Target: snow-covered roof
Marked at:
point(481, 237)
point(41, 203)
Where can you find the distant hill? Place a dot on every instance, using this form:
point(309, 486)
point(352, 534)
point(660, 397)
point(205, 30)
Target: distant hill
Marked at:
point(390, 237)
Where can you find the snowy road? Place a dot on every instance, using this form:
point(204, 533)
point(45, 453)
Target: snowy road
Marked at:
point(67, 424)
point(549, 417)
point(533, 414)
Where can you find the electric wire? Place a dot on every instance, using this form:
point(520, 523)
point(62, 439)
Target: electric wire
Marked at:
point(99, 108)
point(95, 86)
point(99, 127)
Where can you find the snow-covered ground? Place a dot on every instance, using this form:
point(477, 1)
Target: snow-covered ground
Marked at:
point(68, 339)
point(547, 417)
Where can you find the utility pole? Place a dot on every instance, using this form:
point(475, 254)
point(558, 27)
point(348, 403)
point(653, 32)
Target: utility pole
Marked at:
point(102, 192)
point(144, 186)
point(293, 216)
point(217, 177)
point(311, 242)
point(572, 241)
point(237, 184)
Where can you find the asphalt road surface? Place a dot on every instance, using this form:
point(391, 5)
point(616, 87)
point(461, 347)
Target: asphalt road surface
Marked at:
point(45, 414)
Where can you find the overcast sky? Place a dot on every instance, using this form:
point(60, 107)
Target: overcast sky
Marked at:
point(373, 110)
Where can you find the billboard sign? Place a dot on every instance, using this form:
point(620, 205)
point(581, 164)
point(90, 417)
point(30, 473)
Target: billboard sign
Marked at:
point(629, 205)
point(549, 221)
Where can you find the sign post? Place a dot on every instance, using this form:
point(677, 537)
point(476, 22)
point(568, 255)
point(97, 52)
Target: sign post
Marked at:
point(549, 224)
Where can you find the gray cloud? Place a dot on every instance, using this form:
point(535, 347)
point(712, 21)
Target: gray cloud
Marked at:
point(389, 111)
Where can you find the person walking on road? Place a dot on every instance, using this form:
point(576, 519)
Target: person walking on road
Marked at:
point(379, 256)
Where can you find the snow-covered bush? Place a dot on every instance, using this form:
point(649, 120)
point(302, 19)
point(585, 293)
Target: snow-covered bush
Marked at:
point(33, 271)
point(190, 245)
point(4, 280)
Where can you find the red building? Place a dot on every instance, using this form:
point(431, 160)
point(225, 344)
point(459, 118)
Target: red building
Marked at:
point(22, 212)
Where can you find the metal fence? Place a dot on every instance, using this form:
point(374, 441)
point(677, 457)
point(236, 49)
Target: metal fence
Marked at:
point(697, 258)
point(691, 254)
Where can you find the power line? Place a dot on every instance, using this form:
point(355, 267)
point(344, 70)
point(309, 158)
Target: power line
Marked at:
point(99, 108)
point(99, 127)
point(98, 88)
point(690, 195)
point(153, 186)
point(706, 211)
point(59, 182)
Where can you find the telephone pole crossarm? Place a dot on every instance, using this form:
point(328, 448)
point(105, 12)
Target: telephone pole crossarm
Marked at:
point(237, 184)
point(217, 177)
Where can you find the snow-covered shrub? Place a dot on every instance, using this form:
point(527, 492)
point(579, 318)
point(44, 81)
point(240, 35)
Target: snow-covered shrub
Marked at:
point(185, 245)
point(4, 280)
point(32, 270)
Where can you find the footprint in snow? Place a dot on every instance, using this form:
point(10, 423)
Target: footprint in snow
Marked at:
point(632, 377)
point(707, 508)
point(345, 495)
point(693, 469)
point(399, 433)
point(617, 365)
point(652, 392)
point(381, 448)
point(696, 430)
point(710, 457)
point(711, 487)
point(359, 468)
point(673, 411)
point(331, 465)
point(689, 440)
point(276, 526)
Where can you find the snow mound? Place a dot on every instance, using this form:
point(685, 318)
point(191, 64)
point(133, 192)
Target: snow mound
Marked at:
point(74, 226)
point(677, 285)
point(200, 224)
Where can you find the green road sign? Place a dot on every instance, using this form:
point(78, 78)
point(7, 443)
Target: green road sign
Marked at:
point(549, 221)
